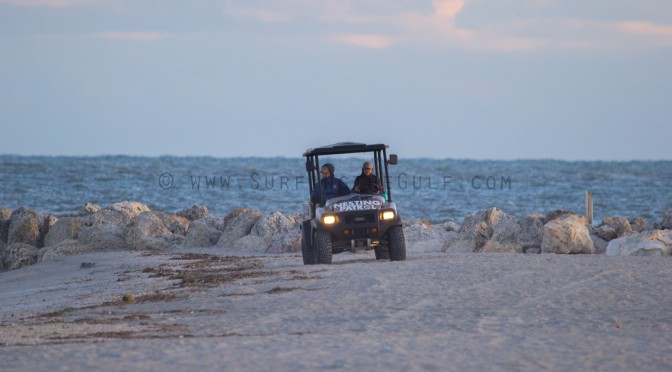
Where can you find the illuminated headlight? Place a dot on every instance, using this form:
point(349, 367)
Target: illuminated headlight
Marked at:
point(388, 215)
point(329, 220)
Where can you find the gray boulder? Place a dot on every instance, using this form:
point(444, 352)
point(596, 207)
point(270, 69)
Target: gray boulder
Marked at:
point(567, 235)
point(558, 213)
point(649, 243)
point(24, 212)
point(194, 213)
point(18, 255)
point(273, 233)
point(505, 237)
point(451, 226)
point(607, 233)
point(3, 245)
point(5, 215)
point(531, 233)
point(204, 232)
point(150, 231)
point(620, 225)
point(65, 228)
point(178, 225)
point(238, 223)
point(117, 214)
point(103, 237)
point(638, 224)
point(24, 230)
point(128, 208)
point(421, 236)
point(27, 226)
point(667, 221)
point(89, 208)
point(67, 247)
point(599, 244)
point(476, 230)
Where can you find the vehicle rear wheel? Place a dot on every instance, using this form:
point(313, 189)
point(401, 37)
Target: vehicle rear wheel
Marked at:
point(396, 243)
point(306, 246)
point(323, 249)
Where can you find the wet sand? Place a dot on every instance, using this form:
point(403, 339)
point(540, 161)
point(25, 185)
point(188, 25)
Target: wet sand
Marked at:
point(198, 309)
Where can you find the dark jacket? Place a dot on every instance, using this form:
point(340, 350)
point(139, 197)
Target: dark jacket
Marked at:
point(331, 187)
point(368, 184)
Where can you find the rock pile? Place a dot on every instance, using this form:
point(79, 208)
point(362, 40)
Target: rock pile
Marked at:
point(560, 232)
point(28, 236)
point(492, 230)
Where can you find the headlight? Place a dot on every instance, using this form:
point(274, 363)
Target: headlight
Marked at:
point(388, 215)
point(329, 220)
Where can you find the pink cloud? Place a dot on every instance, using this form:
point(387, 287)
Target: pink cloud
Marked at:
point(646, 34)
point(646, 29)
point(377, 24)
point(132, 36)
point(365, 41)
point(506, 44)
point(448, 8)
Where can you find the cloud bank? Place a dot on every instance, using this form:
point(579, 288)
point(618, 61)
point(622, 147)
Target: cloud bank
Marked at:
point(530, 25)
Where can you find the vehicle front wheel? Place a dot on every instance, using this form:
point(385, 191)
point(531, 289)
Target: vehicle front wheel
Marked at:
point(396, 243)
point(382, 252)
point(306, 247)
point(323, 249)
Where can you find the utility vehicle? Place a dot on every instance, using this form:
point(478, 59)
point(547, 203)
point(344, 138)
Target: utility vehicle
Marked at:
point(351, 222)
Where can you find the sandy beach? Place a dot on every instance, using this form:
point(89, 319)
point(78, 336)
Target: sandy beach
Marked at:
point(444, 185)
point(203, 308)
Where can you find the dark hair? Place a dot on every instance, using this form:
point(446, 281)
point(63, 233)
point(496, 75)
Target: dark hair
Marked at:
point(330, 167)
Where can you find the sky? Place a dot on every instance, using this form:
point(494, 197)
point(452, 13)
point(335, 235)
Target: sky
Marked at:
point(478, 79)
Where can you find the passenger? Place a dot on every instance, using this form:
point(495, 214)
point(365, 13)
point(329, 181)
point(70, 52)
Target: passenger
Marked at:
point(331, 186)
point(367, 182)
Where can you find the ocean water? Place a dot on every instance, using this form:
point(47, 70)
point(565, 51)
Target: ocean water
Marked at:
point(428, 189)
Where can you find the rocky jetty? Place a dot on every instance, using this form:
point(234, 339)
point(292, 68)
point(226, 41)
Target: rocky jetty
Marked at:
point(28, 236)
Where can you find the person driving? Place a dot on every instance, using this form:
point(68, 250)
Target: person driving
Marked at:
point(367, 182)
point(331, 186)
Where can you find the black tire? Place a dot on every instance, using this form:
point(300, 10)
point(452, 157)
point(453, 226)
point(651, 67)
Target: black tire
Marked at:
point(396, 243)
point(323, 249)
point(306, 248)
point(382, 253)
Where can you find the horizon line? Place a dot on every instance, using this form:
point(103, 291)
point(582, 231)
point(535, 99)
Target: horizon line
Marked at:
point(353, 155)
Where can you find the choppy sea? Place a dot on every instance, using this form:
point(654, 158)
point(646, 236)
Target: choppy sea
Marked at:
point(429, 189)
